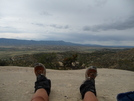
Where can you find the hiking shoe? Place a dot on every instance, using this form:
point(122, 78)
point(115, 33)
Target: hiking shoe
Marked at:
point(39, 69)
point(89, 83)
point(42, 81)
point(91, 73)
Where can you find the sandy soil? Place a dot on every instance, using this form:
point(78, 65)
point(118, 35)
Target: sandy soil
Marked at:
point(17, 83)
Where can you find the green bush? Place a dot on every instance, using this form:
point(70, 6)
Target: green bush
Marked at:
point(126, 64)
point(3, 63)
point(48, 59)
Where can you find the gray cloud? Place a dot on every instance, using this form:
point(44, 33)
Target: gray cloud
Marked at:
point(59, 26)
point(81, 37)
point(45, 13)
point(38, 24)
point(104, 21)
point(8, 29)
point(118, 25)
point(100, 2)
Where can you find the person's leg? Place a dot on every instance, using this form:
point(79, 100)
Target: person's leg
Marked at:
point(42, 84)
point(89, 96)
point(87, 89)
point(40, 95)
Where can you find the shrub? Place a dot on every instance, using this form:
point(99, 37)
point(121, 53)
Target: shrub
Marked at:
point(48, 59)
point(3, 63)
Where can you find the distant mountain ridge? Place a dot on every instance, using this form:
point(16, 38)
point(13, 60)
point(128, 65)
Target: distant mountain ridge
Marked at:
point(9, 42)
point(4, 41)
point(16, 42)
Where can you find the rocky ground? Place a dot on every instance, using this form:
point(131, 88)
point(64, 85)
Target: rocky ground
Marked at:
point(17, 83)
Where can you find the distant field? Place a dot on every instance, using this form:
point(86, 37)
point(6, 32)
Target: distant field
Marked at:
point(8, 54)
point(9, 51)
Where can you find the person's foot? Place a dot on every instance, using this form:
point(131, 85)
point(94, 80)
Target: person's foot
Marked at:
point(39, 69)
point(91, 73)
point(89, 83)
point(42, 81)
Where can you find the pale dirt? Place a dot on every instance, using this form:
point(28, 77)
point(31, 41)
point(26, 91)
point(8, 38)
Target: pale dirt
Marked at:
point(17, 83)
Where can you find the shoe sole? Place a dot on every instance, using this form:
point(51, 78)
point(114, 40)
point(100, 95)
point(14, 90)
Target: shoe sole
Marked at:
point(40, 69)
point(91, 72)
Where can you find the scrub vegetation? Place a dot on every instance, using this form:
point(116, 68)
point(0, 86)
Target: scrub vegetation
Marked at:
point(64, 58)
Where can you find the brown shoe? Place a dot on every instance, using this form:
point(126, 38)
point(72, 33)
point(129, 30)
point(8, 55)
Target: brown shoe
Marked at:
point(39, 68)
point(91, 73)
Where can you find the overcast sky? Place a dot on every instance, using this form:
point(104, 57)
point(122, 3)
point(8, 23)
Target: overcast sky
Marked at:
point(103, 22)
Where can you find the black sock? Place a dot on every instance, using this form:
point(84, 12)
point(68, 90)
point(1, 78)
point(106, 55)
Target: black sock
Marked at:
point(43, 82)
point(88, 85)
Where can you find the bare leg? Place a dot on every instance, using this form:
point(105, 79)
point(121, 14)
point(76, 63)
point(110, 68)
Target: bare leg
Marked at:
point(89, 96)
point(40, 95)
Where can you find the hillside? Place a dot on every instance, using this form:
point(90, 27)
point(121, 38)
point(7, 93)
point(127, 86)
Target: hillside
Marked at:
point(105, 58)
point(121, 60)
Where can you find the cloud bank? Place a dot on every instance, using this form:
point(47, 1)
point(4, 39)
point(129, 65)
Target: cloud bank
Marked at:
point(103, 22)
